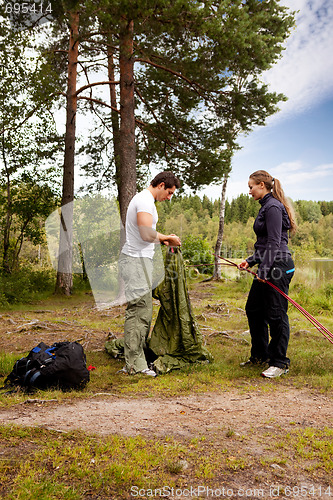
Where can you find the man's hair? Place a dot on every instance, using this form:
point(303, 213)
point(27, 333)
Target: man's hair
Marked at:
point(168, 178)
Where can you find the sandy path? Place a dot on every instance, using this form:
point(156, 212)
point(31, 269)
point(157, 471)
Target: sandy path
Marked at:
point(181, 416)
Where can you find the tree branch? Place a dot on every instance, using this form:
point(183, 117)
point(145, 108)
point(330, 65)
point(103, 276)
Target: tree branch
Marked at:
point(32, 112)
point(175, 73)
point(97, 101)
point(153, 113)
point(93, 85)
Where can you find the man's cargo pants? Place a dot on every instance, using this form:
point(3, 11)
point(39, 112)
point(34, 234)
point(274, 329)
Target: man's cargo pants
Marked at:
point(137, 275)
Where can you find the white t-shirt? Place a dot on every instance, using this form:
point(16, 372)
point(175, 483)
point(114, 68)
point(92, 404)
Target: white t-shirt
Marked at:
point(135, 246)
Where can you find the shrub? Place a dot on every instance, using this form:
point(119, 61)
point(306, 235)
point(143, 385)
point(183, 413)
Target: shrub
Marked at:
point(197, 252)
point(25, 285)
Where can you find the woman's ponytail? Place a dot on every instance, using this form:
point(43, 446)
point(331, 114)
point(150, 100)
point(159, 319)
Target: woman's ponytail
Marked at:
point(278, 193)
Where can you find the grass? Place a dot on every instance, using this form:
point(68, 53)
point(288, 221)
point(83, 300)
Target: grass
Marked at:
point(45, 464)
point(219, 307)
point(73, 465)
point(314, 447)
point(38, 463)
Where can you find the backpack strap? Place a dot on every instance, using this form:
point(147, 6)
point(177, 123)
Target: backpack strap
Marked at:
point(31, 376)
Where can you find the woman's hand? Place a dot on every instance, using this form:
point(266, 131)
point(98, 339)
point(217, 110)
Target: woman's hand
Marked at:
point(243, 265)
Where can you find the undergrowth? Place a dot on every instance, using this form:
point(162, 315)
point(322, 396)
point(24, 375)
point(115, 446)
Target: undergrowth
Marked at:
point(30, 284)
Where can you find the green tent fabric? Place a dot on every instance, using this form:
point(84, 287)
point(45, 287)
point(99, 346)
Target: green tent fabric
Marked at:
point(176, 339)
point(115, 347)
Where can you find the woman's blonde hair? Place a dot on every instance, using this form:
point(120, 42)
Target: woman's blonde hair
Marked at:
point(274, 185)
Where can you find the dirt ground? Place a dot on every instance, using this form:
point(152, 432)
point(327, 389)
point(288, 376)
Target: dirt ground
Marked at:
point(109, 413)
point(254, 413)
point(181, 416)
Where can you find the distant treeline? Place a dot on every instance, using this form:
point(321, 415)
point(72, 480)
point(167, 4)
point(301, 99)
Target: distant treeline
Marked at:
point(191, 216)
point(194, 219)
point(243, 207)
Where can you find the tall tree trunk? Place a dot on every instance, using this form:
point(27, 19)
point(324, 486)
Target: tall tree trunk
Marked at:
point(127, 174)
point(115, 129)
point(114, 114)
point(64, 283)
point(6, 230)
point(218, 246)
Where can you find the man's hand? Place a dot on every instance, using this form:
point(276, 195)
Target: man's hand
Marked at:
point(172, 240)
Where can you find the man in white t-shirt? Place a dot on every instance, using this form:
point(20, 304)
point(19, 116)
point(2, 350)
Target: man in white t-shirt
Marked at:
point(136, 266)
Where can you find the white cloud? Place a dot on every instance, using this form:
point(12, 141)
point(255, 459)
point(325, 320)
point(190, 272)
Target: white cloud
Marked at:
point(296, 171)
point(299, 181)
point(302, 182)
point(328, 168)
point(305, 72)
point(286, 168)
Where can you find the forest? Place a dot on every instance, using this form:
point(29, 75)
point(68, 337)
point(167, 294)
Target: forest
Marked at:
point(194, 218)
point(94, 95)
point(106, 90)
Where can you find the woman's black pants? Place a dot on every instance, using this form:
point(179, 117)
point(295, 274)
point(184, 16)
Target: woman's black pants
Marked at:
point(265, 308)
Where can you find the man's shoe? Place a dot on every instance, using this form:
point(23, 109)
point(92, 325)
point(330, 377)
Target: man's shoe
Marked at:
point(123, 370)
point(149, 372)
point(274, 371)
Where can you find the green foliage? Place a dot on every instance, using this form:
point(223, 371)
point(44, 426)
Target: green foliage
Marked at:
point(241, 209)
point(197, 252)
point(22, 215)
point(198, 64)
point(29, 146)
point(326, 207)
point(199, 218)
point(308, 211)
point(30, 284)
point(315, 237)
point(25, 285)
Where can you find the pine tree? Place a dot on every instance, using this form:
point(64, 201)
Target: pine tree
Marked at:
point(64, 282)
point(195, 68)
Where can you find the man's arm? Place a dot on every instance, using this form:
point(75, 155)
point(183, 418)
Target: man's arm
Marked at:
point(147, 233)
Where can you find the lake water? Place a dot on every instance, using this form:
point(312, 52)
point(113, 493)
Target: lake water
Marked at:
point(314, 272)
point(323, 269)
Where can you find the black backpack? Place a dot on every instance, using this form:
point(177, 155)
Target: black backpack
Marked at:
point(61, 365)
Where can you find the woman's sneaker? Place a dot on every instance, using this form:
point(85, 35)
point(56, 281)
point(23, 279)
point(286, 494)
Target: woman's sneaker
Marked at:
point(274, 371)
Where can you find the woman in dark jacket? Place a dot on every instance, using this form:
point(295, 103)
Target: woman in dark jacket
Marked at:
point(265, 306)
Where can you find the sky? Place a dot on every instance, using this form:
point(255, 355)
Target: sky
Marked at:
point(296, 145)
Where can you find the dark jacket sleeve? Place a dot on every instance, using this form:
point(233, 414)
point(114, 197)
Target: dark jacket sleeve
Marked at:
point(273, 218)
point(252, 260)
